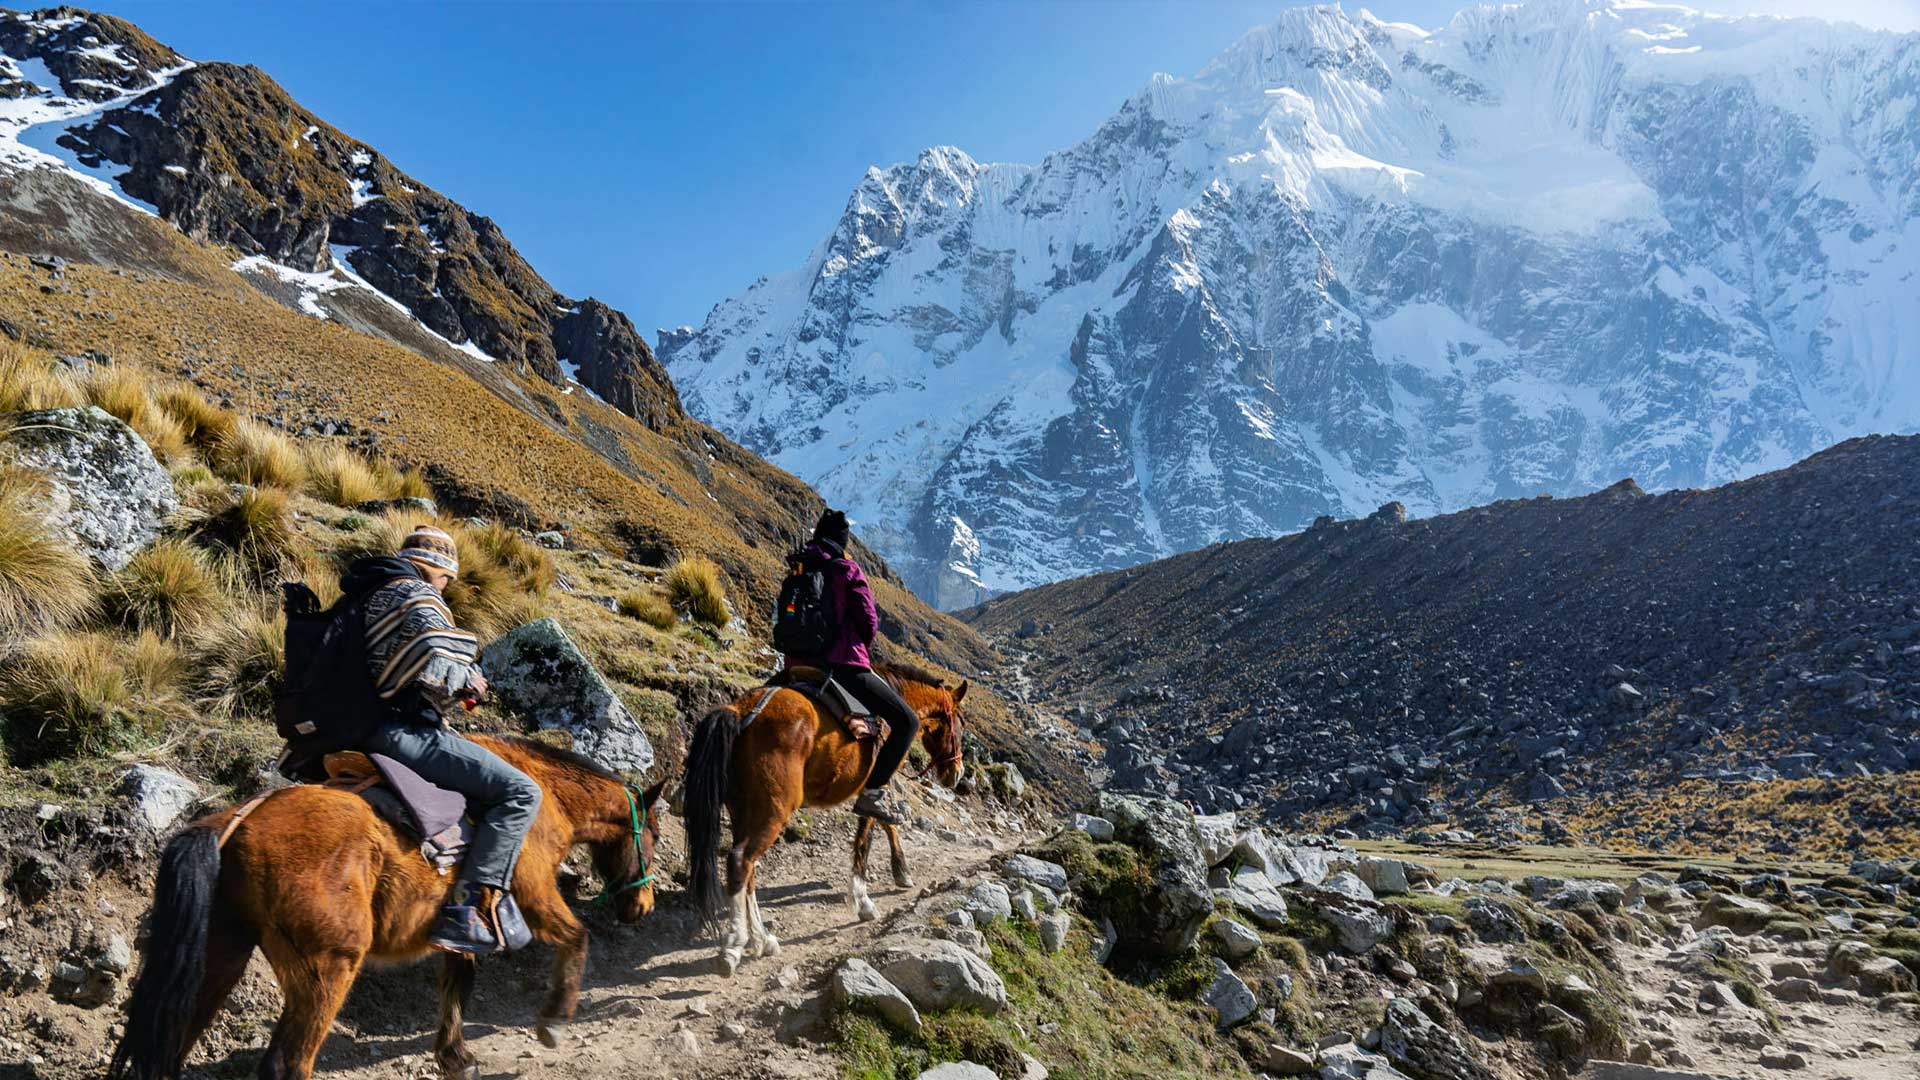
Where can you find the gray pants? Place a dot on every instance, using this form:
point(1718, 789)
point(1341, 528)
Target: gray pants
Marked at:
point(501, 798)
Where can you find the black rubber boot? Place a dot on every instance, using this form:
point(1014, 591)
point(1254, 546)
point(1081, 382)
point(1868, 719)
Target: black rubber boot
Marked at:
point(876, 803)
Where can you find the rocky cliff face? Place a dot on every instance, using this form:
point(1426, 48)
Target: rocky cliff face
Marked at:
point(1545, 247)
point(225, 154)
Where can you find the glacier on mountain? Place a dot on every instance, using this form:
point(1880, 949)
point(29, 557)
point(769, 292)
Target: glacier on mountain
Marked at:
point(1547, 246)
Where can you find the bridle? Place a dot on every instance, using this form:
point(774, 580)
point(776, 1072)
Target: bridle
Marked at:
point(637, 811)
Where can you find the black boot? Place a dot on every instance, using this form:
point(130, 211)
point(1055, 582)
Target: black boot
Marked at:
point(463, 926)
point(877, 804)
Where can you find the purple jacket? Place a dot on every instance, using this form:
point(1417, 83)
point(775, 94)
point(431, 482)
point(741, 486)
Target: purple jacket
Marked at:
point(853, 599)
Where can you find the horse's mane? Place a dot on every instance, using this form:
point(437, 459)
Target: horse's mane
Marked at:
point(897, 673)
point(555, 755)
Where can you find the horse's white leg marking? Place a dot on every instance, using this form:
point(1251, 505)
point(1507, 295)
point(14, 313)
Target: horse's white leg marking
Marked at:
point(731, 946)
point(768, 945)
point(863, 908)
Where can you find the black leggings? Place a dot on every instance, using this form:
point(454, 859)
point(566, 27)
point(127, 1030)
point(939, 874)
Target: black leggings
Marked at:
point(903, 723)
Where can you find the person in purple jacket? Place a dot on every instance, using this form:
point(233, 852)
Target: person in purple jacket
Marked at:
point(851, 664)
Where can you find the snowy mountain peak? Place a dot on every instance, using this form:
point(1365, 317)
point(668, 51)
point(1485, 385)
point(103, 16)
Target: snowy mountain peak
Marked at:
point(1542, 247)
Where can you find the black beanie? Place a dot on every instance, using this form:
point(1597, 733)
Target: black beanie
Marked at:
point(832, 528)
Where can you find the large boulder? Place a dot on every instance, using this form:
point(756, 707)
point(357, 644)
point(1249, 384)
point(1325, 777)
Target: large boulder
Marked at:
point(1359, 924)
point(159, 796)
point(536, 670)
point(1038, 871)
point(1250, 891)
point(106, 490)
point(1347, 1061)
point(1386, 877)
point(857, 983)
point(939, 974)
point(1167, 917)
point(1217, 834)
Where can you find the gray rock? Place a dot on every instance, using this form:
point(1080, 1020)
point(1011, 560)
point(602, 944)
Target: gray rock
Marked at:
point(856, 982)
point(1360, 924)
point(1237, 939)
point(1053, 931)
point(989, 903)
point(413, 504)
point(1386, 877)
point(1231, 1000)
point(1493, 920)
point(1286, 1061)
point(536, 670)
point(1544, 787)
point(969, 939)
point(1347, 1061)
point(1249, 891)
point(550, 539)
point(938, 975)
point(958, 1070)
point(1217, 836)
point(1023, 905)
point(1347, 883)
point(107, 491)
point(1415, 1043)
point(159, 796)
point(1097, 827)
point(1038, 871)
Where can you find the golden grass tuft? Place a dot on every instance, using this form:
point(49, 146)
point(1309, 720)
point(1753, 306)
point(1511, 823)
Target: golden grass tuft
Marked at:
point(239, 660)
point(166, 589)
point(204, 423)
point(529, 564)
point(257, 455)
point(28, 380)
point(122, 392)
point(649, 607)
point(696, 585)
point(398, 483)
point(45, 582)
point(337, 475)
point(502, 575)
point(74, 694)
point(255, 524)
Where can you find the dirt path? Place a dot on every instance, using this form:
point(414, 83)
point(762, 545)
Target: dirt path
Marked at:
point(1841, 1036)
point(652, 1004)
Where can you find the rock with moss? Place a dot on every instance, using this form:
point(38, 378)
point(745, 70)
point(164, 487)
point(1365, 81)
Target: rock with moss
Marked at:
point(856, 983)
point(1875, 973)
point(1231, 999)
point(105, 488)
point(1248, 890)
point(1346, 1061)
point(1005, 781)
point(1414, 1042)
point(1158, 912)
point(938, 975)
point(538, 672)
point(1738, 913)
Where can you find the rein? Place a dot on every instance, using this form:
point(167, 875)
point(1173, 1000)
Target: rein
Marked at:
point(639, 815)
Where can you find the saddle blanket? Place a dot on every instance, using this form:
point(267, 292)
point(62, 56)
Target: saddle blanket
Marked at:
point(434, 816)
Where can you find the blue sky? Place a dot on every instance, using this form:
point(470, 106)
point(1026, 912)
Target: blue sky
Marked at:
point(661, 156)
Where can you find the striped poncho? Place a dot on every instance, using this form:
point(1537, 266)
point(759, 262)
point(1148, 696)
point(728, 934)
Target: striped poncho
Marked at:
point(412, 642)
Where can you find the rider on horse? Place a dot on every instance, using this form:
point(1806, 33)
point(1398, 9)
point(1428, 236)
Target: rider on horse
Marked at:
point(424, 667)
point(851, 666)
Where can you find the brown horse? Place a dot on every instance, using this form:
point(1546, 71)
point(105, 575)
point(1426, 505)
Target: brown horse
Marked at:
point(790, 756)
point(312, 877)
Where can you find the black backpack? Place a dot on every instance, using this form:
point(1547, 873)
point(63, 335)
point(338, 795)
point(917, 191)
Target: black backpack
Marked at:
point(805, 623)
point(326, 700)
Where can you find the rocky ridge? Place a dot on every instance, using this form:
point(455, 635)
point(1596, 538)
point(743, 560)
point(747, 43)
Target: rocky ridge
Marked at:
point(222, 152)
point(1505, 667)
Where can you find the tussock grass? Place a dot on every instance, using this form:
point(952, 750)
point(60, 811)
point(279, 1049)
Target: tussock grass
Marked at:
point(398, 483)
point(167, 589)
point(337, 475)
point(238, 661)
point(528, 563)
point(696, 585)
point(28, 380)
point(254, 524)
point(73, 694)
point(202, 422)
point(44, 582)
point(253, 454)
point(649, 607)
point(122, 392)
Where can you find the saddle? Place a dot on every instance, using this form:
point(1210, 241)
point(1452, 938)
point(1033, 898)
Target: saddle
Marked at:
point(832, 701)
point(422, 811)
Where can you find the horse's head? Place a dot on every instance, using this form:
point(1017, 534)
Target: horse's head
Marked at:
point(628, 864)
point(940, 733)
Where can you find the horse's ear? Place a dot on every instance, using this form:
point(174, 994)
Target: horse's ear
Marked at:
point(960, 691)
point(652, 794)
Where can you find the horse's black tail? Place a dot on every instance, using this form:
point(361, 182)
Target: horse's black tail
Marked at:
point(160, 1011)
point(709, 763)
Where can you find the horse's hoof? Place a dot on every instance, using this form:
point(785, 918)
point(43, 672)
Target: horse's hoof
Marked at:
point(544, 1032)
point(772, 947)
point(903, 880)
point(460, 1072)
point(866, 911)
point(729, 962)
point(756, 950)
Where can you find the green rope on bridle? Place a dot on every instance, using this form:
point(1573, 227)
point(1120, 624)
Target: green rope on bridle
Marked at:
point(639, 814)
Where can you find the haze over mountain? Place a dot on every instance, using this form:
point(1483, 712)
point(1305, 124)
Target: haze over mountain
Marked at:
point(1542, 248)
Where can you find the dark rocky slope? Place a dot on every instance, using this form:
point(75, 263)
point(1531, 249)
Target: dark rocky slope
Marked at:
point(1593, 655)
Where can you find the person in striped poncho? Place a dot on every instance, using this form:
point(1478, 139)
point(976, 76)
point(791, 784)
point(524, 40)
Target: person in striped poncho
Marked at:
point(423, 666)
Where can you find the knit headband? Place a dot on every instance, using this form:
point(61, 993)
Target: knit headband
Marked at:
point(426, 544)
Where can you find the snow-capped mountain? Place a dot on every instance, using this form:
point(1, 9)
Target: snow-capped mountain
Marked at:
point(1548, 246)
